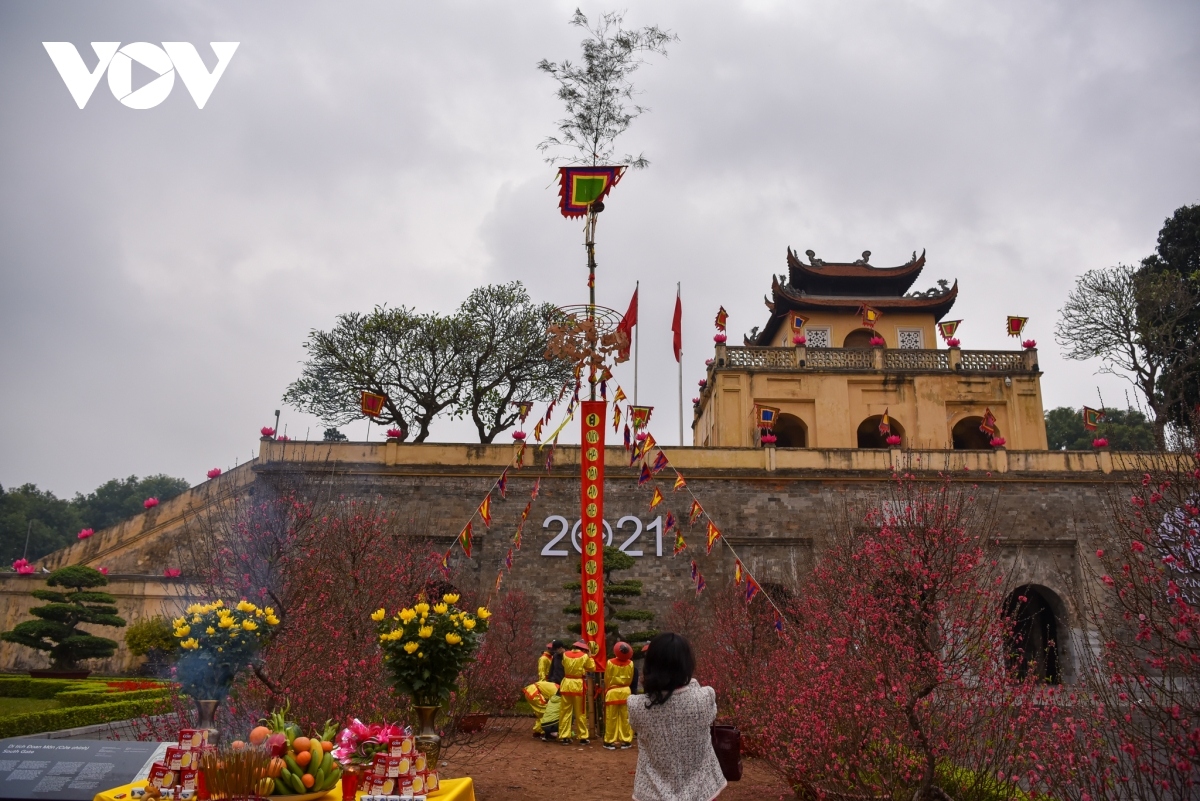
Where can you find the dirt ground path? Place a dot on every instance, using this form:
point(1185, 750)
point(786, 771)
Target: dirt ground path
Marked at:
point(508, 764)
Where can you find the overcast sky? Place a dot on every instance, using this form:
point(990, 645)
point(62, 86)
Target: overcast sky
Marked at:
point(160, 268)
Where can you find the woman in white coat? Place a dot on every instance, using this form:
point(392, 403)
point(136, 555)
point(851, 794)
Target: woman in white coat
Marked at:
point(673, 720)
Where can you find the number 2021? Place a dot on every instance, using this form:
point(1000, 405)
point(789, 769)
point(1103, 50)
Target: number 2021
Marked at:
point(564, 526)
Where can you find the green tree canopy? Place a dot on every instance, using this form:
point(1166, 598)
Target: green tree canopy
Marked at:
point(56, 631)
point(1125, 430)
point(119, 499)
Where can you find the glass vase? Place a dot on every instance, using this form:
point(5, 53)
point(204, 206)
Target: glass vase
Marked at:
point(429, 742)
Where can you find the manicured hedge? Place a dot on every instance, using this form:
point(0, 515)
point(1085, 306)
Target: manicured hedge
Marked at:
point(24, 687)
point(71, 717)
point(92, 697)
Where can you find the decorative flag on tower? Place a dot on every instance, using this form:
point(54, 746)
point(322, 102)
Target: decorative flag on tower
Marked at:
point(639, 416)
point(537, 431)
point(502, 484)
point(722, 319)
point(677, 328)
point(694, 513)
point(485, 510)
point(464, 539)
point(656, 498)
point(626, 327)
point(679, 483)
point(1016, 325)
point(713, 535)
point(523, 409)
point(645, 475)
point(580, 187)
point(947, 328)
point(767, 416)
point(660, 462)
point(1091, 418)
point(885, 424)
point(988, 426)
point(738, 572)
point(372, 403)
point(620, 396)
point(646, 445)
point(798, 323)
point(870, 315)
point(616, 418)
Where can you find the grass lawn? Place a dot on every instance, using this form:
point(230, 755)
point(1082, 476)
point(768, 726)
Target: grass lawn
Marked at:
point(17, 706)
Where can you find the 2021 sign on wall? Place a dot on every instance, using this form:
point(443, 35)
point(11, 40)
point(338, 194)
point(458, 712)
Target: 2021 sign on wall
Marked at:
point(117, 61)
point(632, 544)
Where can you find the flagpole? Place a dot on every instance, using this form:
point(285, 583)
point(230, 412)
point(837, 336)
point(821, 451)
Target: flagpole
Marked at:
point(677, 300)
point(637, 285)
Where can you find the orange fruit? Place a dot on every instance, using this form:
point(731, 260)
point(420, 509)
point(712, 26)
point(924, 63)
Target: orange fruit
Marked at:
point(237, 745)
point(303, 758)
point(307, 780)
point(301, 744)
point(259, 735)
point(326, 745)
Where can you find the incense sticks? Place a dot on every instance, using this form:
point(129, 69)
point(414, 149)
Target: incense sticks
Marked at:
point(235, 774)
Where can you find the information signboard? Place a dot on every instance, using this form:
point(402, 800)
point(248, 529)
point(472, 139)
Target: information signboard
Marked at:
point(72, 770)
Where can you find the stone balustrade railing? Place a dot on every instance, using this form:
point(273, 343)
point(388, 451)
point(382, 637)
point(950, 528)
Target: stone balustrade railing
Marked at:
point(753, 357)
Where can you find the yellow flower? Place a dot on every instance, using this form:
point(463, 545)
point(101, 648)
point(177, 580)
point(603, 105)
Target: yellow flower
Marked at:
point(379, 614)
point(425, 632)
point(422, 608)
point(407, 615)
point(190, 644)
point(179, 621)
point(421, 655)
point(225, 623)
point(233, 633)
point(397, 634)
point(182, 631)
point(483, 613)
point(269, 611)
point(453, 638)
point(210, 630)
point(469, 623)
point(193, 609)
point(383, 638)
point(409, 647)
point(245, 606)
point(196, 618)
point(440, 609)
point(450, 597)
point(274, 621)
point(218, 603)
point(249, 625)
point(258, 613)
point(220, 649)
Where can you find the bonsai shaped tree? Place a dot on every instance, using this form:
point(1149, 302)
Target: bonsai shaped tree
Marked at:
point(616, 598)
point(57, 631)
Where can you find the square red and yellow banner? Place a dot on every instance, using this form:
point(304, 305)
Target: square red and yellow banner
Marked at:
point(595, 414)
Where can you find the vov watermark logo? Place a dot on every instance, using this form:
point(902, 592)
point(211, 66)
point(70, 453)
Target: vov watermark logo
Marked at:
point(172, 57)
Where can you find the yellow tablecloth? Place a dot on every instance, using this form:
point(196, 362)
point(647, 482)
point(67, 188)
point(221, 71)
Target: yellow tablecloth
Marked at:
point(450, 790)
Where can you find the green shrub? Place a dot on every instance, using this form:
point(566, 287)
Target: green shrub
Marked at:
point(14, 687)
point(90, 698)
point(154, 633)
point(71, 717)
point(56, 627)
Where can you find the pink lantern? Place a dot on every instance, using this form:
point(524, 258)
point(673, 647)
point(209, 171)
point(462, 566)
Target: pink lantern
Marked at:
point(395, 433)
point(719, 339)
point(22, 567)
point(997, 442)
point(216, 471)
point(894, 440)
point(799, 339)
point(1029, 344)
point(1100, 442)
point(85, 533)
point(518, 435)
point(172, 572)
point(103, 571)
point(284, 438)
point(877, 342)
point(267, 431)
point(150, 503)
point(953, 342)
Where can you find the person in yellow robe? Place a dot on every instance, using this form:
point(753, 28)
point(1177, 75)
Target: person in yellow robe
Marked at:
point(541, 691)
point(577, 663)
point(543, 669)
point(618, 676)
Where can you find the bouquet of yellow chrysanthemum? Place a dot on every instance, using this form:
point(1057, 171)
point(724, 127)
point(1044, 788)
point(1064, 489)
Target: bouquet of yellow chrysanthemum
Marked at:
point(216, 642)
point(427, 646)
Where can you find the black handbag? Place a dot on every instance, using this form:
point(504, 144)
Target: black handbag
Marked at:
point(727, 743)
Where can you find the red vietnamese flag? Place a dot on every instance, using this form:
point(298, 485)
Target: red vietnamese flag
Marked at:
point(677, 327)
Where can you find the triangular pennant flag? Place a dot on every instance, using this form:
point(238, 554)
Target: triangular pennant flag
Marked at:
point(660, 462)
point(616, 418)
point(640, 416)
point(550, 458)
point(947, 328)
point(656, 499)
point(713, 535)
point(679, 482)
point(778, 621)
point(694, 513)
point(669, 522)
point(537, 431)
point(700, 585)
point(738, 573)
point(523, 409)
point(445, 564)
point(645, 475)
point(627, 436)
point(525, 511)
point(752, 588)
point(647, 444)
point(620, 396)
point(537, 485)
point(502, 484)
point(519, 462)
point(516, 540)
point(680, 545)
point(485, 510)
point(464, 540)
point(1016, 325)
point(885, 424)
point(508, 559)
point(695, 570)
point(988, 426)
point(499, 578)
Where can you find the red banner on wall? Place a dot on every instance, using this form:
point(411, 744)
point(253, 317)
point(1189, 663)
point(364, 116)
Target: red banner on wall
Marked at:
point(592, 517)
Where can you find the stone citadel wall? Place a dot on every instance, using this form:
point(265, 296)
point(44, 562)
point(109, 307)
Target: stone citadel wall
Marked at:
point(772, 506)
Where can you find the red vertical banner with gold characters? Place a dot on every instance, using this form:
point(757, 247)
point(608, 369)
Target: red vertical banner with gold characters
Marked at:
point(592, 525)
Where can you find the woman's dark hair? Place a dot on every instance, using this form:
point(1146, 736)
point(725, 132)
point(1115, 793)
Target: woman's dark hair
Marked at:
point(669, 666)
point(556, 674)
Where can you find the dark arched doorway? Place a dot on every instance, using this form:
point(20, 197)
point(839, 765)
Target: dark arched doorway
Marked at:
point(790, 432)
point(869, 435)
point(859, 338)
point(967, 436)
point(1032, 645)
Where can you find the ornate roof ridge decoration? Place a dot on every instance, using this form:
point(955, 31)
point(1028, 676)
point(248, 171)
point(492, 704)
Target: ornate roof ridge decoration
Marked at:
point(857, 276)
